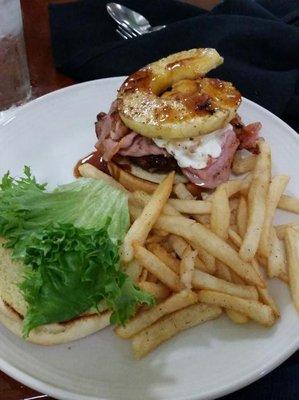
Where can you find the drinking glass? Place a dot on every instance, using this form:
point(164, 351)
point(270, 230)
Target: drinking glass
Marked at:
point(14, 75)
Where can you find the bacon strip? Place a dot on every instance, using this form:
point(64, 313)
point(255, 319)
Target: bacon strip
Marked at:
point(218, 169)
point(115, 138)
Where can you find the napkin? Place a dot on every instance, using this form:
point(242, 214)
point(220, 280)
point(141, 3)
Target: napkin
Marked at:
point(259, 41)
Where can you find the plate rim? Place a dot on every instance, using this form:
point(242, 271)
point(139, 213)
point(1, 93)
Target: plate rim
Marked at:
point(60, 393)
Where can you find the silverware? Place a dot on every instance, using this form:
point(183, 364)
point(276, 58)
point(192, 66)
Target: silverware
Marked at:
point(130, 23)
point(124, 33)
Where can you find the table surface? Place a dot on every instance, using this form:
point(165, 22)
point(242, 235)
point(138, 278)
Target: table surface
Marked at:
point(44, 79)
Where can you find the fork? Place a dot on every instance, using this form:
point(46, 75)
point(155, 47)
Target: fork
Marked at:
point(127, 32)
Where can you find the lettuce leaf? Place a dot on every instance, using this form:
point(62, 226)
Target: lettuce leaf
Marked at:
point(25, 205)
point(69, 241)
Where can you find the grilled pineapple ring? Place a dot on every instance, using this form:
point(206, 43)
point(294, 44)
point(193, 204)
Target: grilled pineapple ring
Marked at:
point(194, 105)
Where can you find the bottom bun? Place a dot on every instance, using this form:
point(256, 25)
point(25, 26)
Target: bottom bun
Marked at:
point(138, 179)
point(154, 176)
point(53, 334)
point(13, 307)
point(134, 178)
point(130, 181)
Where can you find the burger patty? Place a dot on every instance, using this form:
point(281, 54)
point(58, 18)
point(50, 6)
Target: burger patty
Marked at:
point(156, 163)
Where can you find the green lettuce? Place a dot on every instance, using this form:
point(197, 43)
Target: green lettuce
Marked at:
point(69, 241)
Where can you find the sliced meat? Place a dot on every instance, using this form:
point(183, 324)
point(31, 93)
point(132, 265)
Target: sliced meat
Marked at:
point(218, 169)
point(140, 146)
point(110, 125)
point(115, 138)
point(247, 134)
point(110, 147)
point(237, 124)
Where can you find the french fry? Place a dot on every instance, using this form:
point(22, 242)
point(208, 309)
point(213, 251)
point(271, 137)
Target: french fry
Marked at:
point(255, 310)
point(146, 318)
point(235, 186)
point(167, 246)
point(182, 192)
point(141, 227)
point(143, 198)
point(139, 198)
point(233, 203)
point(167, 327)
point(158, 290)
point(276, 188)
point(143, 275)
point(232, 187)
point(289, 203)
point(266, 298)
point(236, 278)
point(151, 278)
point(264, 294)
point(129, 181)
point(220, 213)
point(169, 210)
point(292, 250)
point(242, 216)
point(233, 219)
point(238, 186)
point(241, 165)
point(277, 257)
point(191, 206)
point(204, 219)
point(284, 278)
point(222, 271)
point(135, 212)
point(154, 265)
point(257, 202)
point(89, 171)
point(237, 317)
point(187, 267)
point(160, 232)
point(281, 229)
point(199, 235)
point(236, 239)
point(202, 280)
point(168, 259)
point(245, 184)
point(154, 239)
point(207, 259)
point(179, 245)
point(133, 269)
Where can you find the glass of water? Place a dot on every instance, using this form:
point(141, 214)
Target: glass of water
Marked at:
point(15, 86)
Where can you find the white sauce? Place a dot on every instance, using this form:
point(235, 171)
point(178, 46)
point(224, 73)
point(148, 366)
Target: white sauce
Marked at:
point(194, 152)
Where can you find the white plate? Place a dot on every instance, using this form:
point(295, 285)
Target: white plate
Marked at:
point(50, 134)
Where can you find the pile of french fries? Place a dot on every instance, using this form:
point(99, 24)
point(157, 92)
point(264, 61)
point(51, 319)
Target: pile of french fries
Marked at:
point(202, 258)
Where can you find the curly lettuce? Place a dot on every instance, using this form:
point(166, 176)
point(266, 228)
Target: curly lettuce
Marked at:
point(69, 241)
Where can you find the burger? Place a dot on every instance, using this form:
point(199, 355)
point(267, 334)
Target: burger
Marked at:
point(169, 116)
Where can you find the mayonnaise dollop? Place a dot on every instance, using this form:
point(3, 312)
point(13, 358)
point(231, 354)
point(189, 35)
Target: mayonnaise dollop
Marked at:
point(194, 152)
